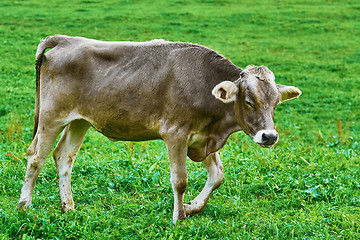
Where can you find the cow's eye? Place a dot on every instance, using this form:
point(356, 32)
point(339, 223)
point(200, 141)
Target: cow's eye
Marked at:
point(249, 104)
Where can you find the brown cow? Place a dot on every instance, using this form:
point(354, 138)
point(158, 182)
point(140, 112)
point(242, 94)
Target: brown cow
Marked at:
point(186, 94)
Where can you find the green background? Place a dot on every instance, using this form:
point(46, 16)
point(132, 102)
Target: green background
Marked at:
point(306, 187)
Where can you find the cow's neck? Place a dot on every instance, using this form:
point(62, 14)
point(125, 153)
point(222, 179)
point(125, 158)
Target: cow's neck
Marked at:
point(203, 143)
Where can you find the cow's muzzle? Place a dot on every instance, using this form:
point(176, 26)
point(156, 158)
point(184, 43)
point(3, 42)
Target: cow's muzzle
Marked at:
point(266, 138)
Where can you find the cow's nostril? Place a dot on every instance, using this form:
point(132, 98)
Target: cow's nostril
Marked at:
point(265, 138)
point(269, 139)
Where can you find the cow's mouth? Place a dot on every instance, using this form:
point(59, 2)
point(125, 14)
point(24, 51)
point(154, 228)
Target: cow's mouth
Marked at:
point(266, 145)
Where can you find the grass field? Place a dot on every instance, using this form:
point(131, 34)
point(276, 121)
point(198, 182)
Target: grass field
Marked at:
point(306, 187)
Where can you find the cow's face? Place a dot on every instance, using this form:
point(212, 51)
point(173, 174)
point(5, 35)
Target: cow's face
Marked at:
point(255, 96)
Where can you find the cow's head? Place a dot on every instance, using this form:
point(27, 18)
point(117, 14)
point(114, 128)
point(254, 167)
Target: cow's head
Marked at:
point(255, 96)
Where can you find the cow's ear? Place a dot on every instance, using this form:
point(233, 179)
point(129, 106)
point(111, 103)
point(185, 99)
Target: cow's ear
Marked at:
point(226, 91)
point(288, 92)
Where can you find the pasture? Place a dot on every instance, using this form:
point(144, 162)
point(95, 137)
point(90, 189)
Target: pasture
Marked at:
point(306, 187)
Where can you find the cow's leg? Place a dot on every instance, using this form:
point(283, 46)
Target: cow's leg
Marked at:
point(36, 156)
point(215, 171)
point(177, 157)
point(64, 156)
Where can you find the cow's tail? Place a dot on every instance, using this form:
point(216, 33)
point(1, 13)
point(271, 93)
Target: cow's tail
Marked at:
point(48, 42)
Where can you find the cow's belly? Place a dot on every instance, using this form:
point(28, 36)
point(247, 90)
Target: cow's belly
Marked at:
point(119, 134)
point(123, 131)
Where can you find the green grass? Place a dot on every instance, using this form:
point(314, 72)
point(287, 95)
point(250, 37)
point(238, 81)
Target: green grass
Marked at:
point(307, 187)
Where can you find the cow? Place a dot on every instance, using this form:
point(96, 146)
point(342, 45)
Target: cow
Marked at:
point(186, 94)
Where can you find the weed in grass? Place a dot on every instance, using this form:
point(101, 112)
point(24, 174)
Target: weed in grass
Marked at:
point(14, 128)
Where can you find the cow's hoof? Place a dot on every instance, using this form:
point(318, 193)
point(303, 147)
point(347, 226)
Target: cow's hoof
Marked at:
point(22, 206)
point(193, 208)
point(67, 209)
point(178, 217)
point(188, 209)
point(179, 221)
